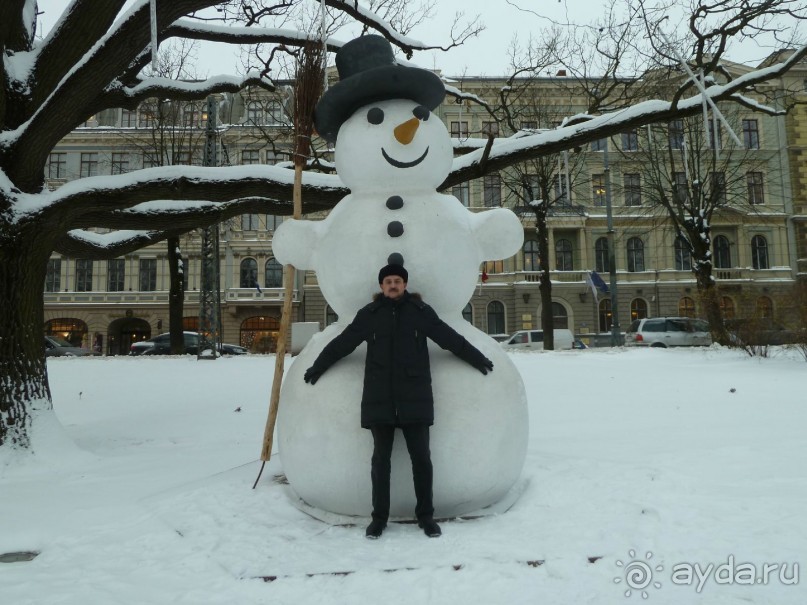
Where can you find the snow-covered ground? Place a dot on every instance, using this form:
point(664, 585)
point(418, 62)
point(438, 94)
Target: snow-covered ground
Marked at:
point(687, 458)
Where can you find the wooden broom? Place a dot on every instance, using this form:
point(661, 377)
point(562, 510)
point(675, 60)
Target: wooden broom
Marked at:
point(308, 88)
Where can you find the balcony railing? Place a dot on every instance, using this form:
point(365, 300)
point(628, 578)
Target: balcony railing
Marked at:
point(231, 296)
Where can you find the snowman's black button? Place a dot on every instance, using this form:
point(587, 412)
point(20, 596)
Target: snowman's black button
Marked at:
point(395, 229)
point(396, 258)
point(395, 202)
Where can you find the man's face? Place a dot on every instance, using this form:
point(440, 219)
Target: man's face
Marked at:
point(393, 286)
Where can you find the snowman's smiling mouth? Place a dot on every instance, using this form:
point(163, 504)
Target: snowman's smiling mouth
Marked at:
point(399, 164)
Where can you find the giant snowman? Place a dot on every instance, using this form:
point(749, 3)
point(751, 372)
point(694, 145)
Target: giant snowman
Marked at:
point(392, 154)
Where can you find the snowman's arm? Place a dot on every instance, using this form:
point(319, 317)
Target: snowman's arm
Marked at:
point(498, 233)
point(294, 242)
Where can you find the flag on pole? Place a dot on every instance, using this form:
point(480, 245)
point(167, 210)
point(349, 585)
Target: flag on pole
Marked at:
point(595, 282)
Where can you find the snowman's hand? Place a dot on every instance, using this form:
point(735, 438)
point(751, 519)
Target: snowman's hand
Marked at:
point(312, 375)
point(485, 365)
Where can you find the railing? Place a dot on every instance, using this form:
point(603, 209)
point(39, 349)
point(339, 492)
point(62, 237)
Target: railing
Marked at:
point(232, 295)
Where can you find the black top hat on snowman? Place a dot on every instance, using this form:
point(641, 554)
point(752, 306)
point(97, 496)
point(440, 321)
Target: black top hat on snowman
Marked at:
point(368, 73)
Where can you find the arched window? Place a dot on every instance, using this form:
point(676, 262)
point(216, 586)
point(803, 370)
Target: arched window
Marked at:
point(759, 252)
point(72, 330)
point(273, 271)
point(255, 113)
point(638, 308)
point(722, 252)
point(563, 255)
point(601, 255)
point(683, 256)
point(496, 317)
point(468, 313)
point(249, 273)
point(605, 315)
point(764, 307)
point(686, 307)
point(635, 254)
point(330, 315)
point(727, 307)
point(559, 316)
point(532, 261)
point(259, 334)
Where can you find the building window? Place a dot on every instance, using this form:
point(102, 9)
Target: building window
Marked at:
point(272, 221)
point(459, 129)
point(686, 307)
point(564, 260)
point(633, 189)
point(532, 258)
point(249, 273)
point(120, 163)
point(330, 315)
point(89, 164)
point(463, 193)
point(182, 158)
point(249, 222)
point(493, 266)
point(128, 118)
point(680, 187)
point(191, 116)
point(116, 273)
point(53, 276)
point(676, 134)
point(492, 187)
point(717, 185)
point(273, 274)
point(722, 252)
point(683, 256)
point(490, 129)
point(468, 313)
point(559, 316)
point(57, 166)
point(764, 307)
point(630, 141)
point(598, 189)
point(727, 307)
point(529, 125)
point(251, 156)
point(759, 252)
point(755, 190)
point(635, 254)
point(259, 334)
point(496, 317)
point(606, 317)
point(148, 274)
point(638, 308)
point(150, 159)
point(599, 145)
point(83, 275)
point(254, 113)
point(601, 264)
point(751, 134)
point(148, 116)
point(531, 186)
point(561, 190)
point(276, 115)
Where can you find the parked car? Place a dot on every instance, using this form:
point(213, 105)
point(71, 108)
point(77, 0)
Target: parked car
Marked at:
point(59, 347)
point(668, 332)
point(534, 340)
point(762, 331)
point(161, 345)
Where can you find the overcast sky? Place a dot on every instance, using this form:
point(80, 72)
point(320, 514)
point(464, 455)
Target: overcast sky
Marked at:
point(484, 55)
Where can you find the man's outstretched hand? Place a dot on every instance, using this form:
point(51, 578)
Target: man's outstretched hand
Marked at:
point(484, 366)
point(311, 375)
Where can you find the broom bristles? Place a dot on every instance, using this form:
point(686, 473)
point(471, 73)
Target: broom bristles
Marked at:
point(308, 88)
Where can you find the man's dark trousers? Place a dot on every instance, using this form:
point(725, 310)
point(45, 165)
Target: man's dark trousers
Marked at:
point(417, 442)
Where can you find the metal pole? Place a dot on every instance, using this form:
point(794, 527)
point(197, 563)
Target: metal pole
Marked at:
point(615, 330)
point(209, 291)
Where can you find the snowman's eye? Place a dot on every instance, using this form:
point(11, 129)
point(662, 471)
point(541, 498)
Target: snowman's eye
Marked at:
point(421, 112)
point(375, 115)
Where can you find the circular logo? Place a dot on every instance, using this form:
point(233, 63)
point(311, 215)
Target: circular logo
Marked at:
point(638, 574)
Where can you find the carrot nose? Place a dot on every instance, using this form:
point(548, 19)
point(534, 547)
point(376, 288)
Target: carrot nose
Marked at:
point(405, 132)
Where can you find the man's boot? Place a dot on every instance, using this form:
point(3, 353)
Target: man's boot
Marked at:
point(430, 527)
point(375, 529)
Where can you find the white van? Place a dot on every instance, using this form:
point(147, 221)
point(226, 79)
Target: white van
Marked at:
point(534, 339)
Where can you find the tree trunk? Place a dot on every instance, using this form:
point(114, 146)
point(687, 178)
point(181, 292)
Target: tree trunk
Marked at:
point(710, 302)
point(545, 283)
point(24, 388)
point(176, 296)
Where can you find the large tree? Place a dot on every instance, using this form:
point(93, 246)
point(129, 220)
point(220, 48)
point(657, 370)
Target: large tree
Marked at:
point(93, 59)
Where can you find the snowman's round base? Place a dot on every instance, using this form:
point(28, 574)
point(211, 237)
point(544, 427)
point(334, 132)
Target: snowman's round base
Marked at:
point(497, 508)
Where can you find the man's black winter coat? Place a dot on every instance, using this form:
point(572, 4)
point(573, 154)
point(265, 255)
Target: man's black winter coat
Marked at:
point(397, 375)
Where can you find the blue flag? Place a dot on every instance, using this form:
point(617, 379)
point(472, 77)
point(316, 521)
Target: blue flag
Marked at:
point(599, 283)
